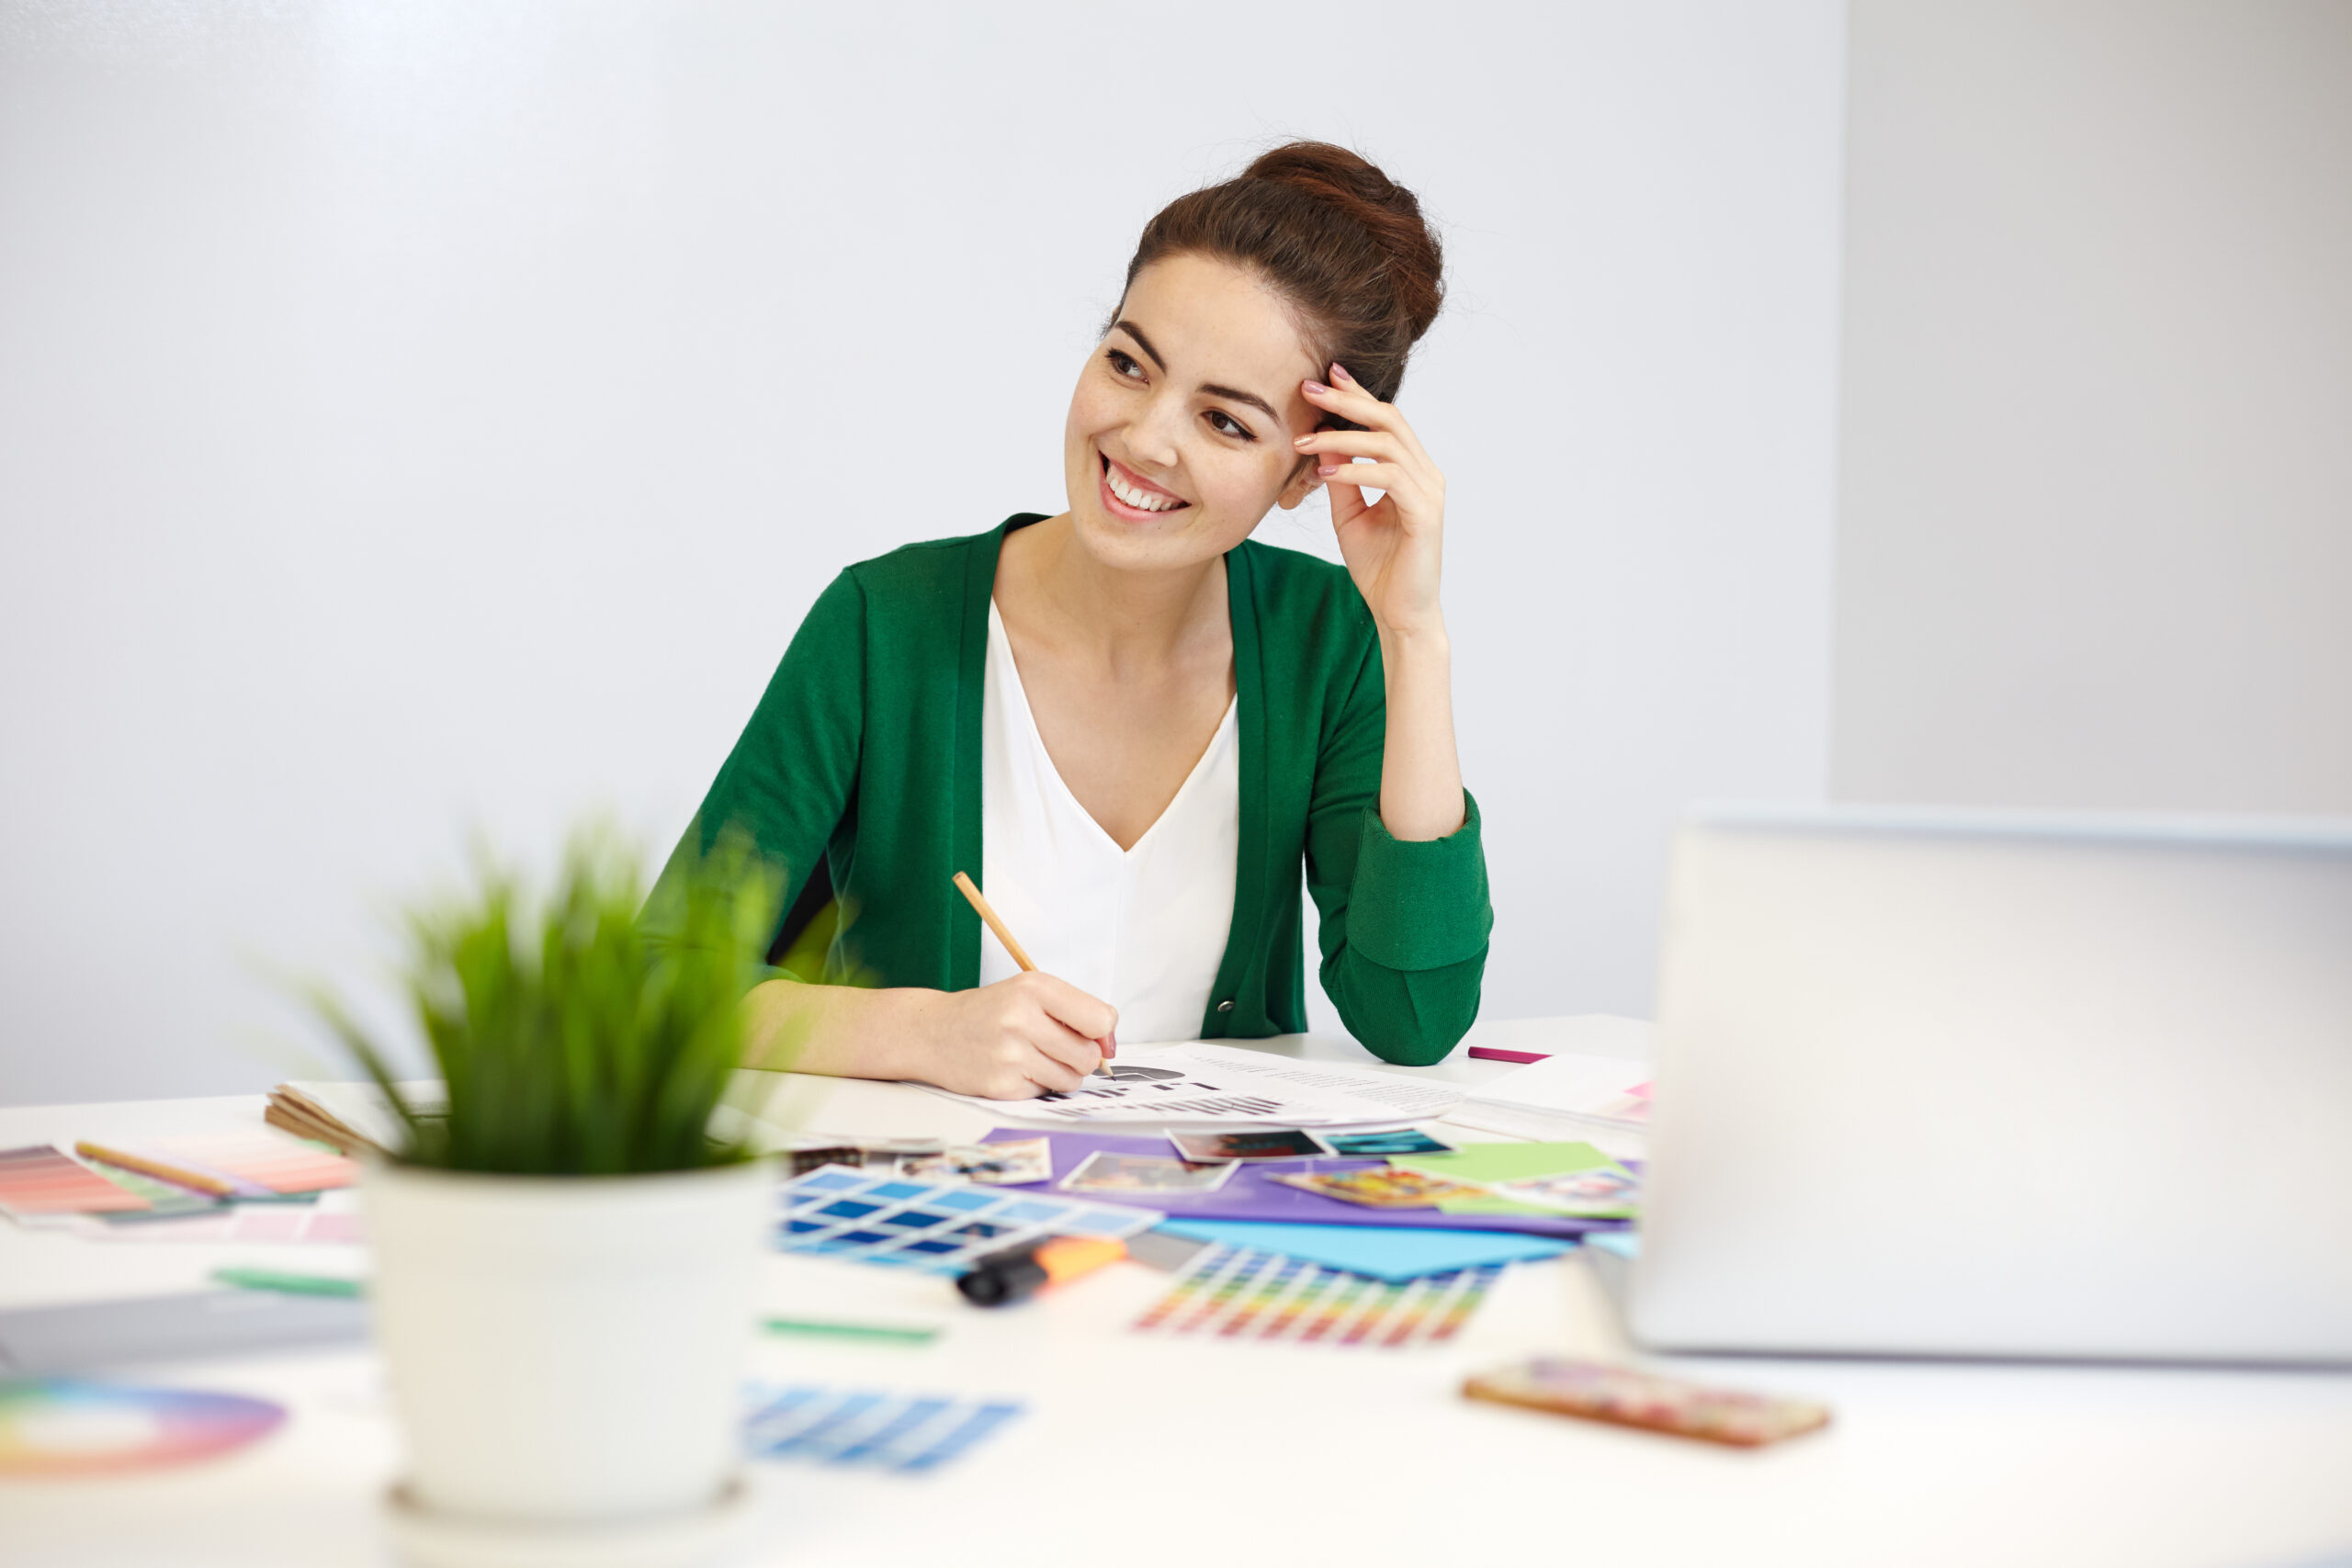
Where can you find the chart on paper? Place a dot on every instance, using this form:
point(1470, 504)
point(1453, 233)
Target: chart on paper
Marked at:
point(1217, 1086)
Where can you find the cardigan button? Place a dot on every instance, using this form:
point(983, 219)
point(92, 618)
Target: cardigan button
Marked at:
point(1225, 1007)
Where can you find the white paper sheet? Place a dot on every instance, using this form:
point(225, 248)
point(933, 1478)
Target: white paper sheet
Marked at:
point(1594, 1087)
point(1224, 1086)
point(1569, 1096)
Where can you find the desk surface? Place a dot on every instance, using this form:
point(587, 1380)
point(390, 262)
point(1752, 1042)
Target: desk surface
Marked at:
point(1145, 1451)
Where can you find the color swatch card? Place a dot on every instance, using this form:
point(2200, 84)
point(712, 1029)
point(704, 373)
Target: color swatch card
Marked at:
point(908, 1434)
point(940, 1227)
point(51, 1427)
point(41, 1181)
point(232, 1165)
point(165, 1199)
point(1237, 1293)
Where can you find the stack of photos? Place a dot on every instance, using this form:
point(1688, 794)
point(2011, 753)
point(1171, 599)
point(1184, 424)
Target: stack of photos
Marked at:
point(1296, 1142)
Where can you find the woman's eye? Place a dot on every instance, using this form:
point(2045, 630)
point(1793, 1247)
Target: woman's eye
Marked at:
point(1123, 364)
point(1226, 424)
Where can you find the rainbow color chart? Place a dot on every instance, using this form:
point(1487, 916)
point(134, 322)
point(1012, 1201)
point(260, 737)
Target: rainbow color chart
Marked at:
point(66, 1427)
point(1239, 1294)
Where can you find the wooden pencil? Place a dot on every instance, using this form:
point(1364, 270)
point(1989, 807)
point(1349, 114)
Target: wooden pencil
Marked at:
point(980, 906)
point(209, 1183)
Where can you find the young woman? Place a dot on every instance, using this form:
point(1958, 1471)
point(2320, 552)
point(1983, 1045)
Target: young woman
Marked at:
point(1129, 723)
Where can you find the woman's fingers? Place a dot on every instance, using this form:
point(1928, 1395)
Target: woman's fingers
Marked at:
point(1089, 1017)
point(1376, 476)
point(1378, 444)
point(1349, 401)
point(1057, 1048)
point(1347, 398)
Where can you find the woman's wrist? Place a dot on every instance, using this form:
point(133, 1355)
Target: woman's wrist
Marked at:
point(1420, 774)
point(1421, 638)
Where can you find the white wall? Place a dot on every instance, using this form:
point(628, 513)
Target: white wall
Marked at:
point(422, 416)
point(2095, 527)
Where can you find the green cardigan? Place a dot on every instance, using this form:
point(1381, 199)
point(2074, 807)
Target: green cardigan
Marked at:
point(865, 751)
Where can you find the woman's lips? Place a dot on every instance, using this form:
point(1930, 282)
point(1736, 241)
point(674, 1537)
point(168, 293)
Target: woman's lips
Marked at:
point(1117, 476)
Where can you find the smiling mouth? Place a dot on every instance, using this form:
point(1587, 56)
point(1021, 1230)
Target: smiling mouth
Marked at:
point(1130, 496)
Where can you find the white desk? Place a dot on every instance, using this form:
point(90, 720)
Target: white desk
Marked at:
point(1138, 1452)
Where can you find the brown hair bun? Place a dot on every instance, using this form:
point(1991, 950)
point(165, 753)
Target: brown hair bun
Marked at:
point(1346, 244)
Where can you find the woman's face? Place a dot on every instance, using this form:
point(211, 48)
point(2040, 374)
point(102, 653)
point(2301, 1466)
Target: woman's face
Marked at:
point(1179, 432)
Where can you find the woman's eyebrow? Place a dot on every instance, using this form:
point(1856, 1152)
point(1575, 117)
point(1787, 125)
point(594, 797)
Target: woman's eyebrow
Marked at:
point(1235, 394)
point(1232, 394)
point(1143, 343)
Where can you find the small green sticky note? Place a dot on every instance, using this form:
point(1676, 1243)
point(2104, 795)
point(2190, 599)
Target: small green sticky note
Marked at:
point(851, 1330)
point(288, 1284)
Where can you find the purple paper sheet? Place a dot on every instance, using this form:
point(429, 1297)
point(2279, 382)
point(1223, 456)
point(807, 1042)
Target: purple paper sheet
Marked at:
point(1250, 1194)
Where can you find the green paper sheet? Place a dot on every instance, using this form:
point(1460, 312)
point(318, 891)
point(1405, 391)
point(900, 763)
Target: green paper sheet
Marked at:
point(1506, 1162)
point(1503, 1162)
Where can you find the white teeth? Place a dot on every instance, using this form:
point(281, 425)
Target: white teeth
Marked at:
point(1137, 499)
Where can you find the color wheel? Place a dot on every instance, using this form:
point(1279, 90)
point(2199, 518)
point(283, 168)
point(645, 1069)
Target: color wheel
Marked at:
point(65, 1427)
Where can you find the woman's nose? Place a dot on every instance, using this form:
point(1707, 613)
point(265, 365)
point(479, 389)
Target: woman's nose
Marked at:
point(1153, 439)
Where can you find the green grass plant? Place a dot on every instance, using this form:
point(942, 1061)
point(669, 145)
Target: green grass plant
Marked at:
point(572, 1042)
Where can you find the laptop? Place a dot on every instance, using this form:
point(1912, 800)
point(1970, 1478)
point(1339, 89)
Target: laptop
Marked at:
point(1980, 1085)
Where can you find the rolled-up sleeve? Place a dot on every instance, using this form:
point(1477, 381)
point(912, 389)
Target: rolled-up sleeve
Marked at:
point(1404, 924)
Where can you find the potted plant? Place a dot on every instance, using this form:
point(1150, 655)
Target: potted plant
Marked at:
point(563, 1256)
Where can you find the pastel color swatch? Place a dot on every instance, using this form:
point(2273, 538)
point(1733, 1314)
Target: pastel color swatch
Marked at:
point(66, 1427)
point(43, 1179)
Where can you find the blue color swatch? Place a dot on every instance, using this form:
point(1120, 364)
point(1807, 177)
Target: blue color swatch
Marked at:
point(939, 1228)
point(910, 1434)
point(1375, 1251)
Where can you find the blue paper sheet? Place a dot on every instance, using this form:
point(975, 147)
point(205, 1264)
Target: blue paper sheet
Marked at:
point(1626, 1244)
point(1376, 1250)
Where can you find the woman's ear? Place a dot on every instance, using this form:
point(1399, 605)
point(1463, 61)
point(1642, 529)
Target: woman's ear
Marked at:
point(1302, 483)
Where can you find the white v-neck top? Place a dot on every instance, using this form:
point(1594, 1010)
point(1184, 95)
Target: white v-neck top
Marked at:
point(1143, 928)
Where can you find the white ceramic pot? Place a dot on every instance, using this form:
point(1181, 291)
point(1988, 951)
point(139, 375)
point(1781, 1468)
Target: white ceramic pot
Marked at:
point(564, 1351)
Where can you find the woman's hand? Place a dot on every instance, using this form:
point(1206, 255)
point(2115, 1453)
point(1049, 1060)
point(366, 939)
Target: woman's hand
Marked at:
point(1392, 549)
point(1015, 1040)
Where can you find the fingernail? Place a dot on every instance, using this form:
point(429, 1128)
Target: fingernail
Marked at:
point(1316, 387)
point(1339, 373)
point(1327, 470)
point(1302, 440)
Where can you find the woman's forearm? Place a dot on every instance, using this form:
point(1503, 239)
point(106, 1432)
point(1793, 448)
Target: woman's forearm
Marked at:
point(1420, 770)
point(840, 1031)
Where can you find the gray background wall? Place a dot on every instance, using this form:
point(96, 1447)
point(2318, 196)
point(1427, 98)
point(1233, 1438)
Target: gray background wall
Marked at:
point(2095, 537)
point(429, 420)
point(423, 417)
